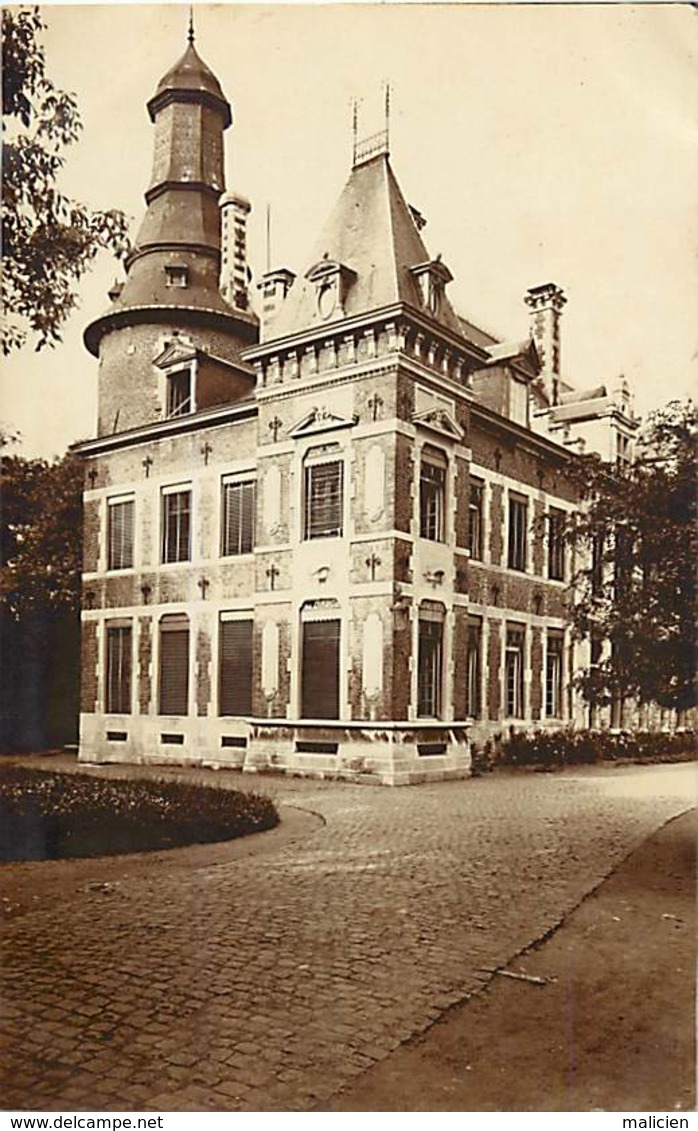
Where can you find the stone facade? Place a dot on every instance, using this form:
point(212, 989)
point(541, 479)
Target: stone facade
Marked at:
point(323, 552)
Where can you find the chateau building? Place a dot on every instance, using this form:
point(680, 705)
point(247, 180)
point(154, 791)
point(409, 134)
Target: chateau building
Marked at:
point(325, 538)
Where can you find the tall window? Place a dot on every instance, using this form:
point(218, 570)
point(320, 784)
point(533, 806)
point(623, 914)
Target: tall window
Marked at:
point(475, 514)
point(518, 532)
point(324, 502)
point(473, 669)
point(120, 533)
point(179, 393)
point(174, 665)
point(514, 673)
point(432, 496)
point(622, 449)
point(118, 669)
point(176, 525)
point(235, 667)
point(553, 676)
point(320, 672)
point(556, 544)
point(430, 668)
point(238, 517)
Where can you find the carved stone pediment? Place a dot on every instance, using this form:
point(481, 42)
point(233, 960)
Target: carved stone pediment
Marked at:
point(175, 353)
point(439, 420)
point(321, 419)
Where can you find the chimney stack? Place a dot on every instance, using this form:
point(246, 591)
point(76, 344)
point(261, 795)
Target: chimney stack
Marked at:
point(274, 286)
point(546, 302)
point(234, 273)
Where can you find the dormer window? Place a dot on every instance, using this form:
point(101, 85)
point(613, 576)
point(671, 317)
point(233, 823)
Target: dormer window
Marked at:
point(431, 278)
point(332, 281)
point(176, 275)
point(179, 393)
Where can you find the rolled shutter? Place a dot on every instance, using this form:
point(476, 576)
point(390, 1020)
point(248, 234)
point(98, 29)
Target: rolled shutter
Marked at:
point(174, 667)
point(238, 518)
point(323, 500)
point(321, 669)
point(121, 534)
point(235, 668)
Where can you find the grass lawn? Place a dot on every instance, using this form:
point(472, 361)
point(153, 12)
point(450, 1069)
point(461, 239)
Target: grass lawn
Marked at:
point(49, 816)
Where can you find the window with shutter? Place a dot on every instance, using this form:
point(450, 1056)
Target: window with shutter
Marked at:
point(174, 666)
point(518, 529)
point(176, 525)
point(324, 502)
point(320, 670)
point(120, 513)
point(238, 517)
point(118, 670)
point(235, 667)
point(430, 669)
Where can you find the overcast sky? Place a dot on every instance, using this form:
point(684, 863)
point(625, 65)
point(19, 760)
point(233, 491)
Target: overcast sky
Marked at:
point(542, 143)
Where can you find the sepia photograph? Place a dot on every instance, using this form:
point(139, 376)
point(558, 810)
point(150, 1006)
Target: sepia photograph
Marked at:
point(348, 518)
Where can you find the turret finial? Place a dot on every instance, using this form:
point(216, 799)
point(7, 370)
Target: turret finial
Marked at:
point(190, 33)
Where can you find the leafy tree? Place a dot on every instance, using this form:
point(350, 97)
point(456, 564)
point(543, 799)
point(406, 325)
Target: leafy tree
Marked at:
point(41, 547)
point(48, 239)
point(638, 544)
point(41, 535)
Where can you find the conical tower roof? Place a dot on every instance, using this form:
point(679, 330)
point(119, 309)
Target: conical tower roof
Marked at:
point(190, 75)
point(372, 232)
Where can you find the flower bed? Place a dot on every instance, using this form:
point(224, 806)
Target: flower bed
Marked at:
point(579, 747)
point(48, 816)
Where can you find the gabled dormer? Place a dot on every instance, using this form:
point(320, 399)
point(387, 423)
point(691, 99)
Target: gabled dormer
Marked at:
point(431, 279)
point(191, 379)
point(505, 383)
point(331, 281)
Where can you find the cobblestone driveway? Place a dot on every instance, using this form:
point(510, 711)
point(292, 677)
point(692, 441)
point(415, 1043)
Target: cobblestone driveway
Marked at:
point(265, 982)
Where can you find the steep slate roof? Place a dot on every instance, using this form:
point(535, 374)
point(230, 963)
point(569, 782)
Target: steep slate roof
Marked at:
point(372, 232)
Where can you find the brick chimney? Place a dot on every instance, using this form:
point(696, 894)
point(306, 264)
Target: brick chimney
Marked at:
point(274, 286)
point(234, 212)
point(545, 303)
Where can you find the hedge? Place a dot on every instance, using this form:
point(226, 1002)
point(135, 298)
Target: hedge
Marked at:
point(580, 747)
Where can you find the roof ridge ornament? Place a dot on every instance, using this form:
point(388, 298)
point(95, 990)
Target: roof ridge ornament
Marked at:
point(190, 32)
point(375, 144)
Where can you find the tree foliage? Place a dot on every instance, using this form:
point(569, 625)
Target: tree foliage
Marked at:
point(48, 239)
point(41, 535)
point(637, 545)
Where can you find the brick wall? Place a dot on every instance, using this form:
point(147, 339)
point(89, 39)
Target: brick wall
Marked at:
point(536, 673)
point(145, 657)
point(91, 536)
point(496, 519)
point(462, 501)
point(129, 394)
point(460, 648)
point(401, 678)
point(404, 472)
point(493, 677)
point(88, 667)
